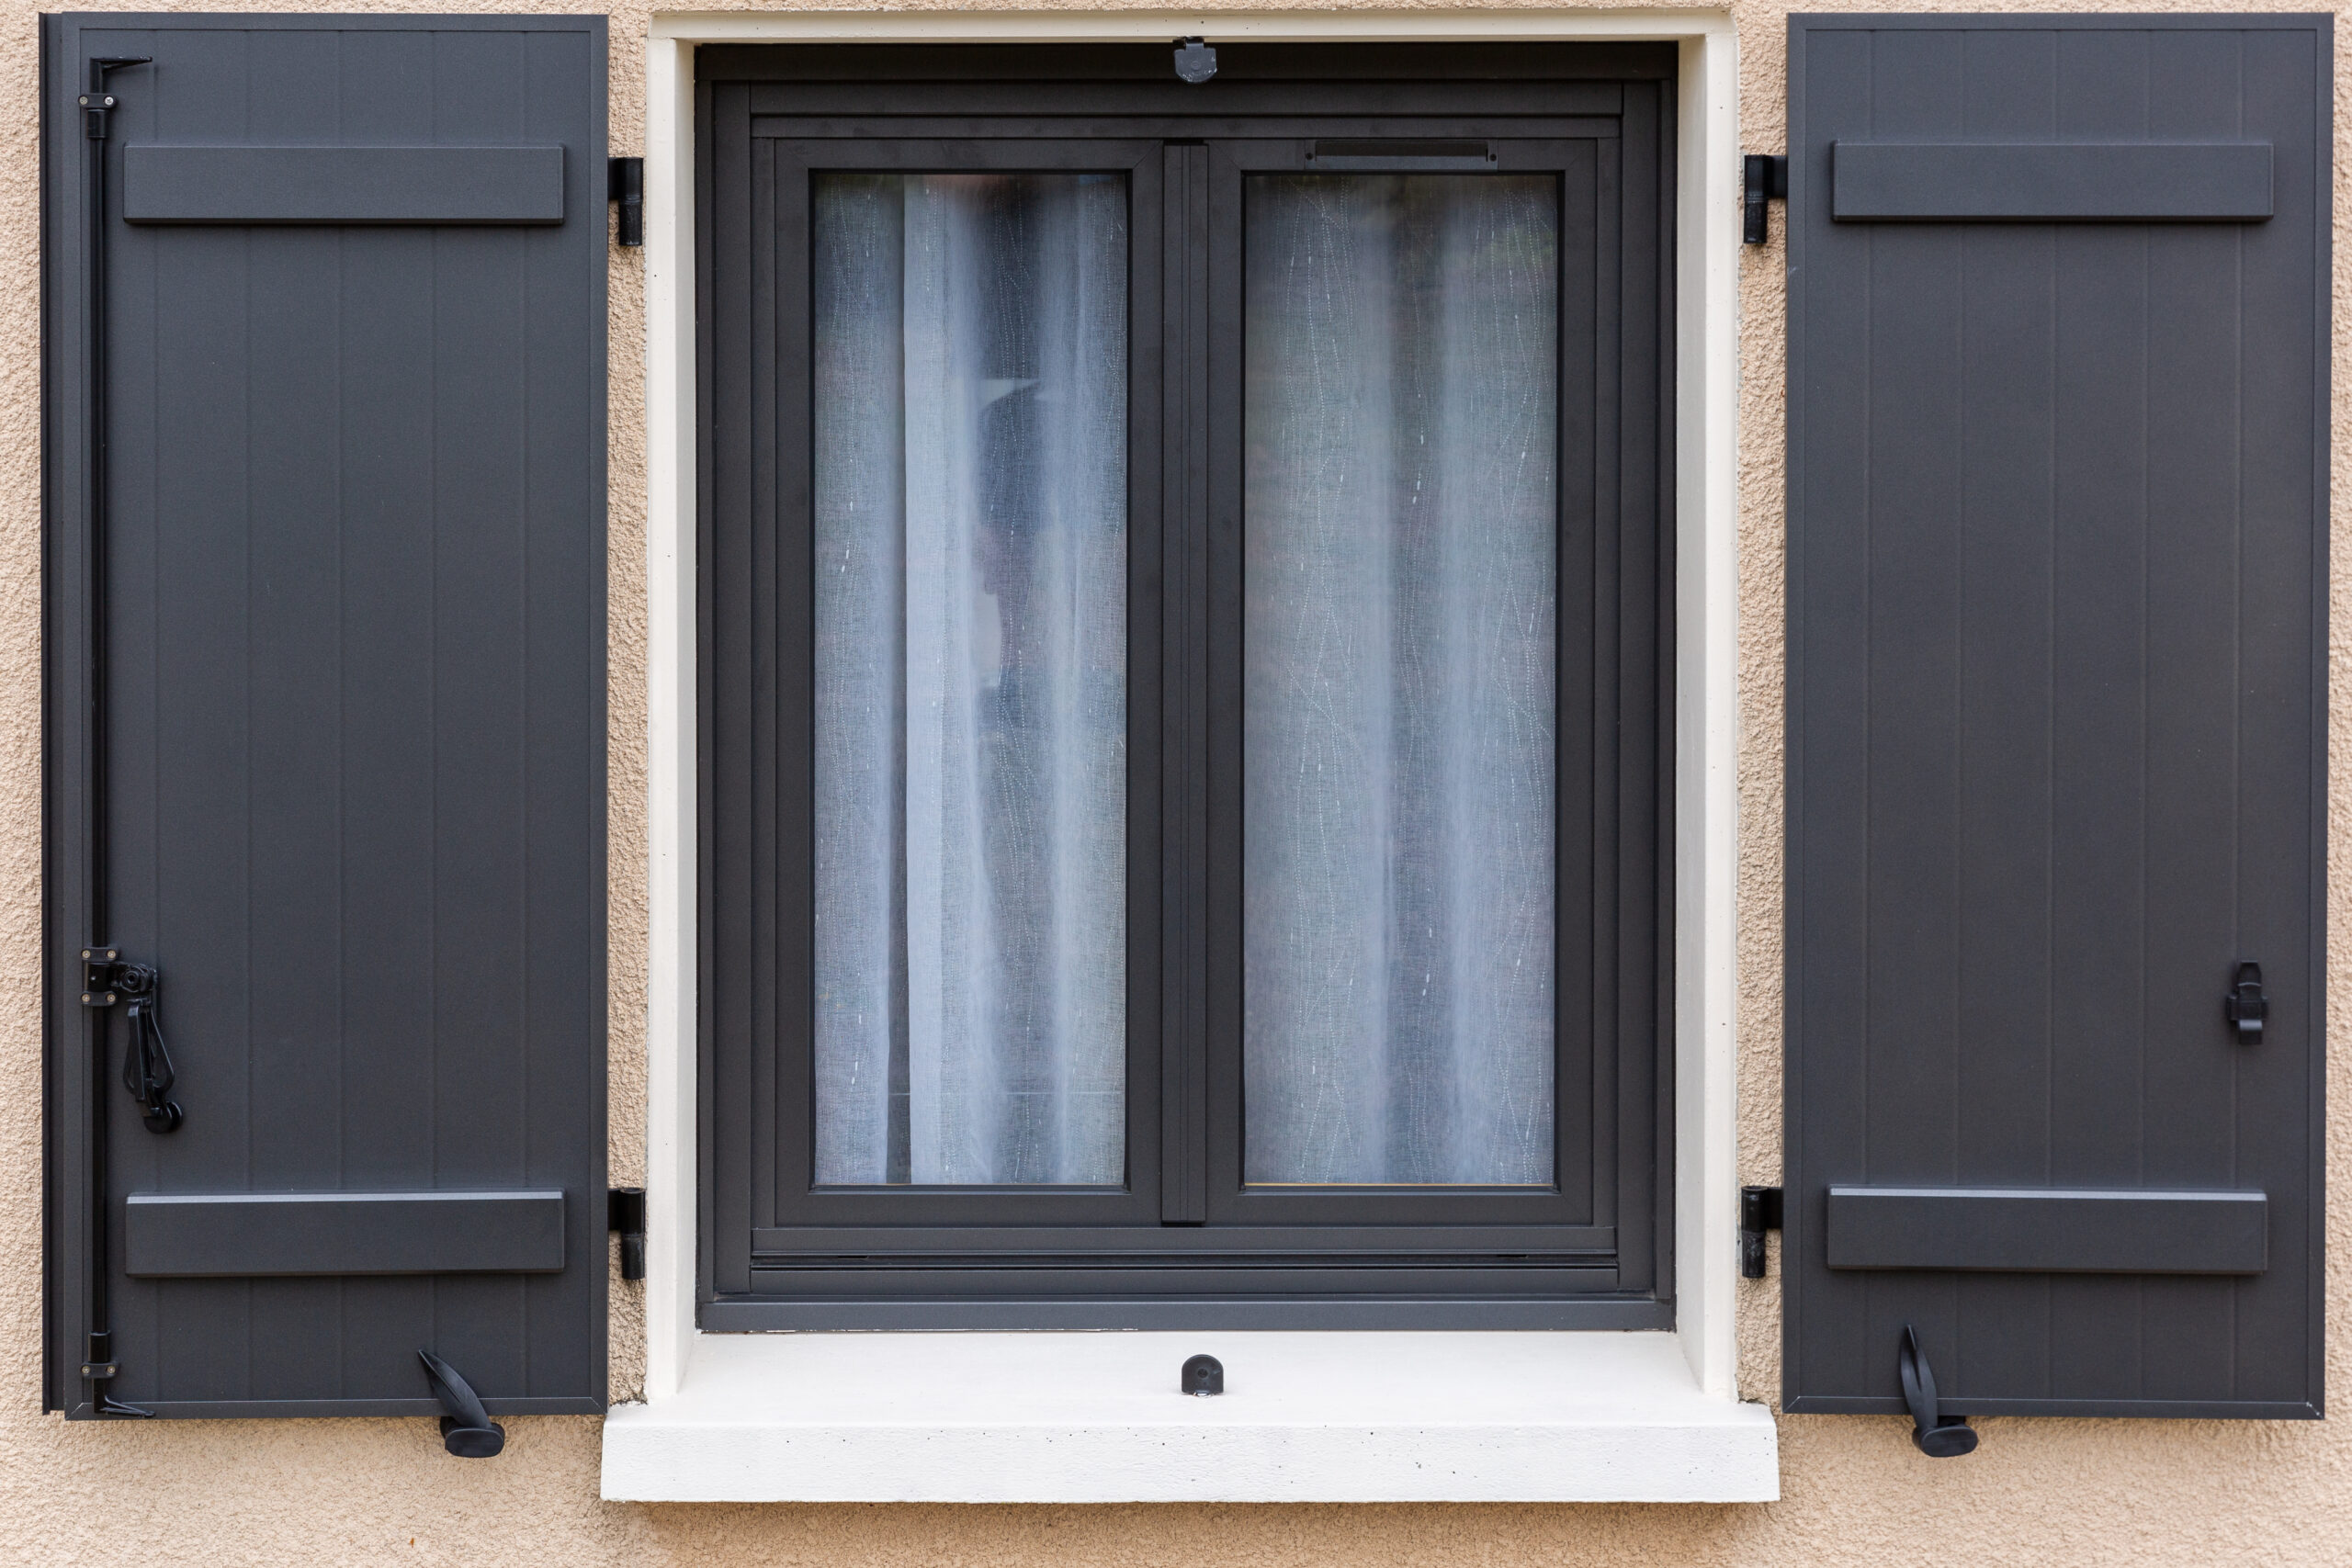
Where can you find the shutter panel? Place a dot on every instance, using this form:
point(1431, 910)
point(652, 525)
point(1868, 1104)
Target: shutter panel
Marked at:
point(326, 709)
point(2058, 293)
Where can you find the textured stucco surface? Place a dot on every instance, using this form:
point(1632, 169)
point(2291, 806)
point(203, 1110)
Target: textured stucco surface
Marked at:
point(2057, 1491)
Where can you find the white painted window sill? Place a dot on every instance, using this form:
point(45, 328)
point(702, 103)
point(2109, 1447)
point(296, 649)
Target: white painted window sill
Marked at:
point(1059, 1417)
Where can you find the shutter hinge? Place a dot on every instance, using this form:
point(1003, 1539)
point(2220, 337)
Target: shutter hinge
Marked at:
point(1760, 1211)
point(147, 1070)
point(624, 1211)
point(2245, 1006)
point(624, 182)
point(1765, 178)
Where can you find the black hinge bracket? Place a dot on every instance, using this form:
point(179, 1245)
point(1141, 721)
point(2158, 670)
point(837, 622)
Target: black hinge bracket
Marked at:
point(1760, 1211)
point(624, 182)
point(98, 966)
point(147, 1070)
point(1764, 178)
point(2245, 1006)
point(1936, 1436)
point(625, 1212)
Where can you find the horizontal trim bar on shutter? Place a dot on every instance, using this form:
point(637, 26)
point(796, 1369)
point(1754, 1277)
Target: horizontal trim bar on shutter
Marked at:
point(250, 1234)
point(1878, 182)
point(342, 185)
point(2034, 1231)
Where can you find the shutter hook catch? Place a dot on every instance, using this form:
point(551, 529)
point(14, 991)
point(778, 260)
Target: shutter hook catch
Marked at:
point(1937, 1437)
point(467, 1431)
point(2245, 1006)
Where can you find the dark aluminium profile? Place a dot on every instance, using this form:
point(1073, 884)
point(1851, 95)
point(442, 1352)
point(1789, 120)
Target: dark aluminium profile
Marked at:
point(96, 105)
point(1184, 1241)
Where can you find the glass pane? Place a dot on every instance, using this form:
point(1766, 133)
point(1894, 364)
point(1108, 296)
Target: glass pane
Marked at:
point(971, 490)
point(1400, 419)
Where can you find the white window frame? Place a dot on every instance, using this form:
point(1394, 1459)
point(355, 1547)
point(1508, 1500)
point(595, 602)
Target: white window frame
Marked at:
point(1048, 1417)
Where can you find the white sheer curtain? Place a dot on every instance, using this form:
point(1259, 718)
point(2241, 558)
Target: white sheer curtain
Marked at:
point(1400, 494)
point(970, 498)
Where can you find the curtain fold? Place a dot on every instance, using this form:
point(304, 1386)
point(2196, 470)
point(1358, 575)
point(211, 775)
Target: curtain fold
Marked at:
point(970, 498)
point(1399, 798)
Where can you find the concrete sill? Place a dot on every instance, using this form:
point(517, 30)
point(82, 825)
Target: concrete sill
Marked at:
point(1063, 1418)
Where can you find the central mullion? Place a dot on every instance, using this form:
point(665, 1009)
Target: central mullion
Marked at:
point(1184, 1113)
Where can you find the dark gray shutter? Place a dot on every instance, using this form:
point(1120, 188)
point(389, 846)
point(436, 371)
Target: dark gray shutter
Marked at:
point(2058, 293)
point(325, 723)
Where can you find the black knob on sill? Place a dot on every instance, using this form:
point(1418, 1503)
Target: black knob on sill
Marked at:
point(1202, 1375)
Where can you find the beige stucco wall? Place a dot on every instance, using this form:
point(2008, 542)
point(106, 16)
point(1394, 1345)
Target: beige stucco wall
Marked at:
point(1855, 1491)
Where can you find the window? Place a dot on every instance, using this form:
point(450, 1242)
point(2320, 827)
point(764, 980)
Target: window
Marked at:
point(1184, 630)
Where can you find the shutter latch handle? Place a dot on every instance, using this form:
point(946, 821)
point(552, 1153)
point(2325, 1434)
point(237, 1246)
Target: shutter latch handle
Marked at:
point(467, 1431)
point(1937, 1437)
point(146, 1065)
point(2246, 1007)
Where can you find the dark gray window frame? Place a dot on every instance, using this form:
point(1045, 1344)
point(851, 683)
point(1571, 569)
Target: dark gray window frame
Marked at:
point(1182, 1243)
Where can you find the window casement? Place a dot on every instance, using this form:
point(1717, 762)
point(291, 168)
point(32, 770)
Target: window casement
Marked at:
point(1184, 637)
